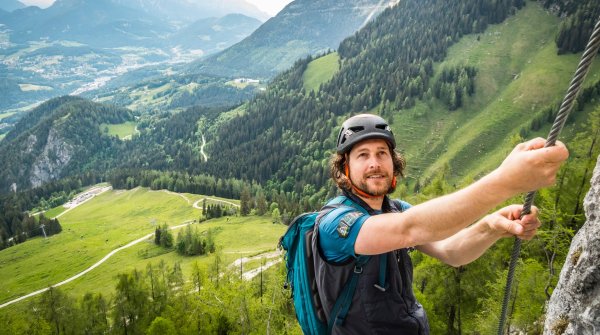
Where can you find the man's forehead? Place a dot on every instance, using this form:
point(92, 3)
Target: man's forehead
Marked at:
point(370, 144)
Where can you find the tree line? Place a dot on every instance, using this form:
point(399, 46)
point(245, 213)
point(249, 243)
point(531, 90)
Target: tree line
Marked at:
point(576, 29)
point(24, 226)
point(160, 299)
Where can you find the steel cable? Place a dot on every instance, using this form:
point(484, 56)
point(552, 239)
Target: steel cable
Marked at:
point(565, 108)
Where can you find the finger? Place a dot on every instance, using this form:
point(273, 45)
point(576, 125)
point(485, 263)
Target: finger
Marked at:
point(527, 236)
point(532, 216)
point(512, 212)
point(513, 227)
point(536, 143)
point(556, 154)
point(532, 226)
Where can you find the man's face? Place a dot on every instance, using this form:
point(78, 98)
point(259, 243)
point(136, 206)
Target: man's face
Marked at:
point(371, 166)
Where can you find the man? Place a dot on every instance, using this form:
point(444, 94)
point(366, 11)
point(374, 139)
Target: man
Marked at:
point(368, 223)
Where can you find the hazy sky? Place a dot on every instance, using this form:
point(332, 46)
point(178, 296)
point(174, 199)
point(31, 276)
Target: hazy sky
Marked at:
point(270, 7)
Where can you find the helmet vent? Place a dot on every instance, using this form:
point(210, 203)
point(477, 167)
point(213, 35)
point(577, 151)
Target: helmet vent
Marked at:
point(382, 126)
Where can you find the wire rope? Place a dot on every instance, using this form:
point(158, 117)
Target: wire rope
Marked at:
point(565, 108)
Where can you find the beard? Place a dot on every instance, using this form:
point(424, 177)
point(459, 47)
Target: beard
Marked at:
point(377, 188)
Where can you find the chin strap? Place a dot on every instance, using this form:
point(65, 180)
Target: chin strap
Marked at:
point(358, 190)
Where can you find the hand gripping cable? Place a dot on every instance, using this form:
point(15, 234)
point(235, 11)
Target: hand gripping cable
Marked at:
point(565, 108)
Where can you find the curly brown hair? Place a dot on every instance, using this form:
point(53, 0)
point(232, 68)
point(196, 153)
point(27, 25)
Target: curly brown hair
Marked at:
point(337, 166)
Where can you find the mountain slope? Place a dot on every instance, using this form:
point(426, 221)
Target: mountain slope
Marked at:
point(215, 33)
point(390, 67)
point(302, 28)
point(58, 138)
point(284, 136)
point(98, 23)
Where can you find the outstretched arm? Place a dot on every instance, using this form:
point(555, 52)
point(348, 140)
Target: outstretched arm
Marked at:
point(470, 243)
point(528, 167)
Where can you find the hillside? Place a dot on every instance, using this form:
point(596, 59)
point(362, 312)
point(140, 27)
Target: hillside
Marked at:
point(79, 46)
point(302, 28)
point(55, 140)
point(373, 78)
point(97, 23)
point(519, 76)
point(114, 219)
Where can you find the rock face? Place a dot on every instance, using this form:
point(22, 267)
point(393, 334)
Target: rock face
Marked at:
point(50, 163)
point(574, 307)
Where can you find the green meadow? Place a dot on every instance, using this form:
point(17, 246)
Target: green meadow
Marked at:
point(123, 131)
point(112, 220)
point(320, 71)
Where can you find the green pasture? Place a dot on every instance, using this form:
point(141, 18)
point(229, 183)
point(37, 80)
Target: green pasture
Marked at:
point(123, 131)
point(320, 71)
point(237, 237)
point(54, 212)
point(517, 78)
point(145, 96)
point(111, 220)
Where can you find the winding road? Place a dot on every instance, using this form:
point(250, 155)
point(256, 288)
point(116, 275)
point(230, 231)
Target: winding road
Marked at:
point(130, 244)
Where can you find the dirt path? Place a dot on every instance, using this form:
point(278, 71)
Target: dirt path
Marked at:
point(248, 275)
point(95, 265)
point(176, 194)
point(202, 149)
point(215, 200)
point(110, 254)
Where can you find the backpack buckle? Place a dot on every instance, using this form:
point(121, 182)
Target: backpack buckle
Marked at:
point(358, 269)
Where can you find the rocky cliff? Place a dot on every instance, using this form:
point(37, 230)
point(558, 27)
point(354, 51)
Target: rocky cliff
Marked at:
point(574, 307)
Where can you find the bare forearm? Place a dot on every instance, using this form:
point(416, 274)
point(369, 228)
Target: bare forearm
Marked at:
point(465, 246)
point(443, 217)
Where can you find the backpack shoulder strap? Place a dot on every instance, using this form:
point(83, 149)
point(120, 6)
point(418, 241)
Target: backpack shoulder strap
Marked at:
point(344, 301)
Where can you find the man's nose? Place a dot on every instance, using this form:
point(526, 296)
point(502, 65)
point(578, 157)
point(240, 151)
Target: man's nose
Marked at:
point(374, 162)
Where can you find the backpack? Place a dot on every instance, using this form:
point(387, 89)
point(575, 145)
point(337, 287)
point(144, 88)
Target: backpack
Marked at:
point(301, 274)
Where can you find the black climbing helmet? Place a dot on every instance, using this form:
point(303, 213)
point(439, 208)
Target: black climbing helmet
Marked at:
point(362, 127)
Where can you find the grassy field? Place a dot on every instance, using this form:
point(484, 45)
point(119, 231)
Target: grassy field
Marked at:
point(320, 71)
point(123, 131)
point(146, 96)
point(517, 77)
point(114, 219)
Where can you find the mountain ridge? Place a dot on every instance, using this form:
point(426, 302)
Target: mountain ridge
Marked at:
point(273, 51)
